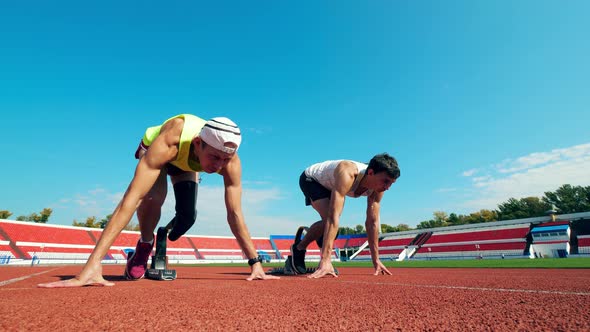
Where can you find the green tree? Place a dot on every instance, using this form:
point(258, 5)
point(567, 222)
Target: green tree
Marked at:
point(488, 215)
point(480, 217)
point(440, 217)
point(91, 222)
point(346, 231)
point(104, 221)
point(45, 214)
point(569, 199)
point(360, 229)
point(511, 209)
point(527, 207)
point(440, 220)
point(425, 224)
point(385, 228)
point(455, 219)
point(5, 214)
point(42, 217)
point(403, 227)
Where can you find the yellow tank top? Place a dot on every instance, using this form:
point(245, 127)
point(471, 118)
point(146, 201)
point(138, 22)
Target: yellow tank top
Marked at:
point(192, 127)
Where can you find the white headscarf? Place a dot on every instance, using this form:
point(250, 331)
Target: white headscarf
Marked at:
point(219, 131)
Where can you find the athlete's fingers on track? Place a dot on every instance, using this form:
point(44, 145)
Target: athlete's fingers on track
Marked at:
point(321, 273)
point(61, 284)
point(74, 283)
point(271, 278)
point(265, 277)
point(382, 271)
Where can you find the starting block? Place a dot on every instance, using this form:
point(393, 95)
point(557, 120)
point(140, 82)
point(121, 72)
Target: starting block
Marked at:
point(288, 270)
point(159, 268)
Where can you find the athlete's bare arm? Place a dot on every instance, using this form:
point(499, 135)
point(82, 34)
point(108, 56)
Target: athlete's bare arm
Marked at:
point(372, 226)
point(232, 175)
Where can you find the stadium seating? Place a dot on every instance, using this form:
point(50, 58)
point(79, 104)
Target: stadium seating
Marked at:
point(507, 241)
point(264, 248)
point(356, 241)
point(283, 244)
point(389, 248)
point(584, 244)
point(6, 250)
point(226, 248)
point(26, 240)
point(479, 235)
point(40, 240)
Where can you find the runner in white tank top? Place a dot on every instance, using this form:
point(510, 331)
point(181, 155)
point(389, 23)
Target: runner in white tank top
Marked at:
point(324, 174)
point(325, 186)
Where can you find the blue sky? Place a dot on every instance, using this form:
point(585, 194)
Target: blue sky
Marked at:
point(479, 101)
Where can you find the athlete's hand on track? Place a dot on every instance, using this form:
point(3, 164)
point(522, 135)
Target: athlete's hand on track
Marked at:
point(258, 274)
point(380, 268)
point(324, 269)
point(90, 276)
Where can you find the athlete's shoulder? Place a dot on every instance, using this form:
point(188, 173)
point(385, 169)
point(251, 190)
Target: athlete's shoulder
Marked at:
point(173, 126)
point(182, 119)
point(347, 165)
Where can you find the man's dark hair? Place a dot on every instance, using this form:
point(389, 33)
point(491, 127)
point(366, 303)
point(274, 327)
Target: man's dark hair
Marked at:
point(385, 163)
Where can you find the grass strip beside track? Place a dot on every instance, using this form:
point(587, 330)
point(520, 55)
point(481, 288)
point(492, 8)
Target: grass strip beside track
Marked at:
point(545, 263)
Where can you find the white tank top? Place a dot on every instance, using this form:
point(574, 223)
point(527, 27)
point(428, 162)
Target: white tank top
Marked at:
point(324, 174)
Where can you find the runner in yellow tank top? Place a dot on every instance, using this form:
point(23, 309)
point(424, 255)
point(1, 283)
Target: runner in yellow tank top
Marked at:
point(181, 147)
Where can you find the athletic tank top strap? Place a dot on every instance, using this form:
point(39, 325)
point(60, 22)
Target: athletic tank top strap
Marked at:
point(358, 179)
point(362, 168)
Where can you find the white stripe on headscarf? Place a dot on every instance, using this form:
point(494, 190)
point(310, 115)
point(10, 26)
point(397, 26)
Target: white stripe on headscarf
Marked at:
point(219, 131)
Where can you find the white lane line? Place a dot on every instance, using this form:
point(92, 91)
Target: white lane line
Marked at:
point(535, 291)
point(11, 281)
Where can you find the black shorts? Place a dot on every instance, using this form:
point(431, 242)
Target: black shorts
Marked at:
point(170, 169)
point(312, 189)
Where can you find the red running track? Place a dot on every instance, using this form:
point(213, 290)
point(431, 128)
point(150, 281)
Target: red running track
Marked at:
point(219, 299)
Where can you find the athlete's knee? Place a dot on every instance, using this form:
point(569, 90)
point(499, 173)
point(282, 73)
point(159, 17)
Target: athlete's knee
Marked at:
point(185, 193)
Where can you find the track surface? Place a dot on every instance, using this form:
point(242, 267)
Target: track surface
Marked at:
point(219, 299)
